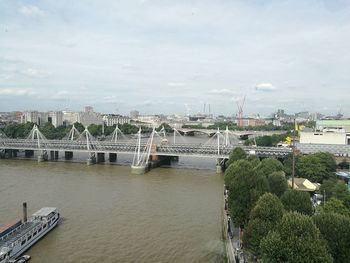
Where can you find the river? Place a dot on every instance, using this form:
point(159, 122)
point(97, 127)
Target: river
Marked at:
point(109, 215)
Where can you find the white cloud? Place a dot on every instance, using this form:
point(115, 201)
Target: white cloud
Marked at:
point(176, 84)
point(265, 87)
point(35, 73)
point(223, 92)
point(31, 10)
point(16, 92)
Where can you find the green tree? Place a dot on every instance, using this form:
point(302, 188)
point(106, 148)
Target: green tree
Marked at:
point(95, 129)
point(254, 160)
point(328, 160)
point(296, 239)
point(339, 190)
point(267, 212)
point(236, 154)
point(80, 127)
point(297, 201)
point(313, 168)
point(48, 130)
point(334, 205)
point(335, 229)
point(278, 183)
point(268, 166)
point(245, 189)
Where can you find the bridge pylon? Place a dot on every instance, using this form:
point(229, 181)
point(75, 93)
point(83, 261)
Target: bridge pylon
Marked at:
point(142, 154)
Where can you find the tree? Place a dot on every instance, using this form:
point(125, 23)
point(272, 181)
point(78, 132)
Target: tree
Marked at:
point(278, 183)
point(245, 188)
point(80, 127)
point(48, 130)
point(95, 129)
point(268, 166)
point(334, 188)
point(254, 160)
point(236, 154)
point(297, 201)
point(241, 167)
point(334, 205)
point(328, 160)
point(313, 168)
point(335, 229)
point(296, 239)
point(267, 212)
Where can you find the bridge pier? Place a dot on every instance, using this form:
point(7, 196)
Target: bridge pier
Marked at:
point(138, 169)
point(100, 157)
point(112, 157)
point(28, 153)
point(42, 157)
point(220, 163)
point(53, 155)
point(68, 155)
point(91, 160)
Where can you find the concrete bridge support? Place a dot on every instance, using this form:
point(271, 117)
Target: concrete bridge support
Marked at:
point(43, 156)
point(68, 155)
point(139, 169)
point(53, 155)
point(91, 159)
point(100, 157)
point(220, 165)
point(28, 153)
point(112, 157)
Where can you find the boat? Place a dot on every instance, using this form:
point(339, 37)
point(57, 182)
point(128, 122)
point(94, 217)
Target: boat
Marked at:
point(19, 236)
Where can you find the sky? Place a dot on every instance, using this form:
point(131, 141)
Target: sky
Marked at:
point(171, 57)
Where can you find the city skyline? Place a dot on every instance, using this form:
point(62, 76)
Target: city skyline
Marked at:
point(172, 57)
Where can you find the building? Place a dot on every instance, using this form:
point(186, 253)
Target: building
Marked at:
point(88, 116)
point(112, 119)
point(35, 117)
point(333, 124)
point(304, 185)
point(324, 137)
point(134, 114)
point(55, 118)
point(70, 117)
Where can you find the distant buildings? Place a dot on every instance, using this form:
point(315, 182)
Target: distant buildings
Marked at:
point(328, 132)
point(134, 114)
point(112, 119)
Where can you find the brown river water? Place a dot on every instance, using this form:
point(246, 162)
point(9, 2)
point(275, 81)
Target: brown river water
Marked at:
point(109, 215)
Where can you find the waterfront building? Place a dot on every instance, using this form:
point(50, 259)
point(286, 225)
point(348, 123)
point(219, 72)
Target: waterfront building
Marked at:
point(70, 117)
point(88, 116)
point(55, 118)
point(112, 119)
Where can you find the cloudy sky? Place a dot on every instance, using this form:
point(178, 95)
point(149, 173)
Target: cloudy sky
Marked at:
point(166, 56)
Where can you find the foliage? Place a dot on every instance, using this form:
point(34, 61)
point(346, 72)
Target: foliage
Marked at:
point(339, 190)
point(334, 205)
point(314, 167)
point(236, 154)
point(80, 127)
point(18, 130)
point(166, 126)
point(335, 229)
point(245, 188)
point(297, 201)
point(328, 160)
point(278, 183)
point(267, 140)
point(197, 126)
point(254, 160)
point(296, 239)
point(267, 212)
point(268, 166)
point(48, 130)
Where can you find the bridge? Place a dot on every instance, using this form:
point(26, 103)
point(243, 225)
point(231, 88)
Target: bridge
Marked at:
point(241, 134)
point(146, 152)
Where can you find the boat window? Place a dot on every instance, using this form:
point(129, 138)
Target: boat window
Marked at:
point(23, 242)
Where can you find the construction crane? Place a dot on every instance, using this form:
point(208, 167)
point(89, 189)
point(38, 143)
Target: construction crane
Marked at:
point(240, 106)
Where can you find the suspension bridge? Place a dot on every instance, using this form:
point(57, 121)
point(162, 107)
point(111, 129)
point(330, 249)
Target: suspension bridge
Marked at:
point(146, 152)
